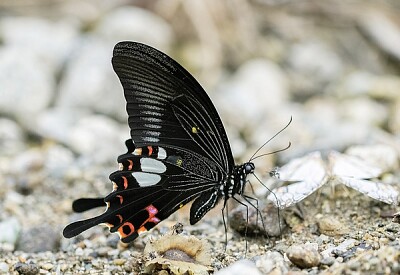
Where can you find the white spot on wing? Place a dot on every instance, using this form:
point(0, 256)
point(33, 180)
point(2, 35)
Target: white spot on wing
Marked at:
point(162, 154)
point(152, 165)
point(146, 179)
point(150, 139)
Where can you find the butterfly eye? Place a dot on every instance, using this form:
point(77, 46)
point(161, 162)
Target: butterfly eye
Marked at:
point(249, 168)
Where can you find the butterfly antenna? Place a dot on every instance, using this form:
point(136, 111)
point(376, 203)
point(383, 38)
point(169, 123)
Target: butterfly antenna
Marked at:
point(265, 143)
point(270, 153)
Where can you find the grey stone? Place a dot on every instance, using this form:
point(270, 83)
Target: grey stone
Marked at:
point(11, 137)
point(98, 137)
point(4, 268)
point(240, 267)
point(132, 23)
point(304, 256)
point(50, 40)
point(27, 83)
point(271, 261)
point(89, 81)
point(382, 31)
point(9, 231)
point(32, 239)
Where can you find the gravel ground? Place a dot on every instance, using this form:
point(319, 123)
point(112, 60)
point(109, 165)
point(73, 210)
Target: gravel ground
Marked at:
point(332, 66)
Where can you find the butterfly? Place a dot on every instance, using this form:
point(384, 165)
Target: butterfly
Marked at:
point(178, 151)
point(311, 172)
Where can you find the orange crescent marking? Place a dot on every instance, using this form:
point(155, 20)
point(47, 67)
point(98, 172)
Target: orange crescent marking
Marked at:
point(121, 199)
point(150, 150)
point(130, 164)
point(120, 218)
point(125, 182)
point(121, 230)
point(142, 229)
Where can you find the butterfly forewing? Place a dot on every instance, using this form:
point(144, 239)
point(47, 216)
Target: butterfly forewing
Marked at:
point(154, 86)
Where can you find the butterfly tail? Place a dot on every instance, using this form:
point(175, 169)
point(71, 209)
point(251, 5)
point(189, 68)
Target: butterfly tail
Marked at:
point(84, 204)
point(78, 227)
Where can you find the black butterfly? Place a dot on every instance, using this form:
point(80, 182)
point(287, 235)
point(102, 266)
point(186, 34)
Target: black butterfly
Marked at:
point(179, 149)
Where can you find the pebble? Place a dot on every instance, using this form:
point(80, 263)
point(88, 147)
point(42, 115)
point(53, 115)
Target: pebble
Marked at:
point(84, 138)
point(328, 261)
point(251, 81)
point(11, 137)
point(47, 266)
point(26, 268)
point(304, 256)
point(384, 32)
point(239, 268)
point(32, 239)
point(9, 231)
point(119, 261)
point(331, 227)
point(126, 22)
point(267, 225)
point(271, 261)
point(27, 84)
point(4, 267)
point(50, 40)
point(309, 73)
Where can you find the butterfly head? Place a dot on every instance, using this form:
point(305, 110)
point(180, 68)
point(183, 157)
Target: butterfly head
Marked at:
point(249, 168)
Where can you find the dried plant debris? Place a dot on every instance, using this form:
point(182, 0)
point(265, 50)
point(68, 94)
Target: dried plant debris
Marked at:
point(355, 171)
point(177, 254)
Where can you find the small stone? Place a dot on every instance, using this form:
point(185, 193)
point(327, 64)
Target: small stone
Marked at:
point(271, 261)
point(32, 239)
point(240, 267)
point(328, 261)
point(47, 266)
point(331, 227)
point(119, 261)
point(4, 268)
point(304, 256)
point(9, 231)
point(265, 223)
point(26, 268)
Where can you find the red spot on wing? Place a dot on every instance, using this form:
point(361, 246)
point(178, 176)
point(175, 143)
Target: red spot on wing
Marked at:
point(151, 210)
point(121, 199)
point(150, 148)
point(120, 218)
point(126, 229)
point(130, 164)
point(125, 182)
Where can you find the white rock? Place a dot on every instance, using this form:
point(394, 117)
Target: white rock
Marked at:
point(90, 82)
point(99, 138)
point(51, 41)
point(384, 32)
point(27, 83)
point(9, 230)
point(256, 89)
point(240, 267)
point(316, 60)
point(57, 123)
point(11, 137)
point(132, 23)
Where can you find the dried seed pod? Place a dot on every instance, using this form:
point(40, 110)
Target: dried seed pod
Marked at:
point(178, 254)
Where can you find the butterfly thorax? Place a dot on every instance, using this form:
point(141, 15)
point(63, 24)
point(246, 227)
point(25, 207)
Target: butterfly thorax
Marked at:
point(237, 180)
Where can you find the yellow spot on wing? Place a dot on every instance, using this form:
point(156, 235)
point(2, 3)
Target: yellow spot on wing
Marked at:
point(195, 130)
